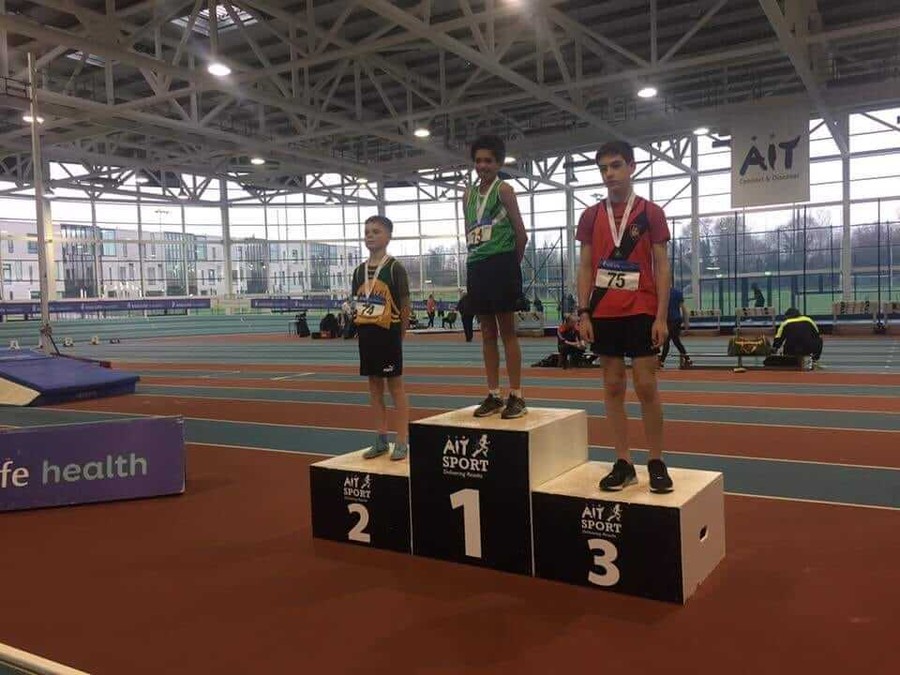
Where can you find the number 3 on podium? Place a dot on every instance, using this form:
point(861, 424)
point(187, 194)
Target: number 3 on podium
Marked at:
point(468, 499)
point(610, 576)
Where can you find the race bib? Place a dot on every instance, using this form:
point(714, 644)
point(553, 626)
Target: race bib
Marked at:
point(619, 275)
point(479, 234)
point(371, 308)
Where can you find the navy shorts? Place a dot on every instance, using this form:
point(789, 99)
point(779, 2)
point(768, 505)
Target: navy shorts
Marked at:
point(624, 336)
point(380, 352)
point(494, 285)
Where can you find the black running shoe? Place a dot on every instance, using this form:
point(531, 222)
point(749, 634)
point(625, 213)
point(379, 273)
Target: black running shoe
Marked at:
point(489, 406)
point(515, 407)
point(659, 476)
point(621, 476)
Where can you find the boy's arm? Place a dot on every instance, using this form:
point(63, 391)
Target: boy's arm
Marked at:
point(663, 285)
point(403, 300)
point(508, 199)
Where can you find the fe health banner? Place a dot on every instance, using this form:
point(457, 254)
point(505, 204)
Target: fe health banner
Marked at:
point(770, 157)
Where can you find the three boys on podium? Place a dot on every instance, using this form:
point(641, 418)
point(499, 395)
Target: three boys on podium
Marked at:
point(623, 292)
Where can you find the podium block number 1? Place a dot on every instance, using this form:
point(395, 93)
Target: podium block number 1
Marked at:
point(469, 501)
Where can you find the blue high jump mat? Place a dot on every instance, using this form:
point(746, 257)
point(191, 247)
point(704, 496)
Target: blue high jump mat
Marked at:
point(32, 378)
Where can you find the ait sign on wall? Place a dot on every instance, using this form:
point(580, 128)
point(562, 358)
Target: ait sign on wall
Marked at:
point(770, 157)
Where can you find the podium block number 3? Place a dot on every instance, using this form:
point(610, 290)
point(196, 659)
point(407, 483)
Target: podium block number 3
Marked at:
point(468, 499)
point(358, 533)
point(610, 576)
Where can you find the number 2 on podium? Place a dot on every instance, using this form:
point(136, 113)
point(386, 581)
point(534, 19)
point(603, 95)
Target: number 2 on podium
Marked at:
point(468, 499)
point(358, 533)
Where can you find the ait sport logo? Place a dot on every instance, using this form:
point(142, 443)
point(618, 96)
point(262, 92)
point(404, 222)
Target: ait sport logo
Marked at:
point(467, 456)
point(358, 487)
point(602, 518)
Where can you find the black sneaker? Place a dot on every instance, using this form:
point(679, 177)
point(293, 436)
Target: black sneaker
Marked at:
point(621, 476)
point(515, 407)
point(489, 406)
point(659, 476)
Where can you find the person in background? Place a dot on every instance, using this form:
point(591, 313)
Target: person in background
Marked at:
point(678, 321)
point(759, 300)
point(430, 307)
point(464, 309)
point(568, 342)
point(538, 305)
point(798, 335)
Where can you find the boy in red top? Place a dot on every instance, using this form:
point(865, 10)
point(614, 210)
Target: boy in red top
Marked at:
point(623, 293)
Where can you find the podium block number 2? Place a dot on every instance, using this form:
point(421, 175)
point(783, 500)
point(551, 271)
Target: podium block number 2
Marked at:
point(468, 500)
point(358, 532)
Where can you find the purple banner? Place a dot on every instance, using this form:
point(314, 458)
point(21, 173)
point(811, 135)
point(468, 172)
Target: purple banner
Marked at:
point(96, 462)
point(60, 306)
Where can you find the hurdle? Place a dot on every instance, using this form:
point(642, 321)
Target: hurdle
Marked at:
point(752, 317)
point(854, 312)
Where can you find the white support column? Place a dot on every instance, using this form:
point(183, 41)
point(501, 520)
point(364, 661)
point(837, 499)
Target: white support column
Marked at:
point(42, 212)
point(572, 264)
point(846, 253)
point(226, 234)
point(97, 245)
point(184, 254)
point(140, 226)
point(695, 224)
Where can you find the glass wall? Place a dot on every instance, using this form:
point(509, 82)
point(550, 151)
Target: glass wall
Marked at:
point(307, 245)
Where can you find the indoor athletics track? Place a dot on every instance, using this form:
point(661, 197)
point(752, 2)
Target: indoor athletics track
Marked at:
point(227, 579)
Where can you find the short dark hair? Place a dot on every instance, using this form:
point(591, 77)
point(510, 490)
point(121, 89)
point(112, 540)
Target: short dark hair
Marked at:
point(384, 220)
point(622, 148)
point(493, 144)
point(792, 313)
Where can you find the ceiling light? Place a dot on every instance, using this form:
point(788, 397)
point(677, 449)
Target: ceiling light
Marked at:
point(647, 92)
point(362, 180)
point(510, 160)
point(257, 161)
point(218, 69)
point(141, 179)
point(421, 132)
point(701, 131)
point(29, 119)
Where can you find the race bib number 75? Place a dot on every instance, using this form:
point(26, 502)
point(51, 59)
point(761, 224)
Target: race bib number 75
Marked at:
point(618, 275)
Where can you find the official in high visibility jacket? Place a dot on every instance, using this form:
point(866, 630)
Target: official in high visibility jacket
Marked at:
point(799, 335)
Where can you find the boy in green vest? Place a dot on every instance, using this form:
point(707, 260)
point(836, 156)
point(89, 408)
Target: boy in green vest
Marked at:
point(381, 289)
point(496, 239)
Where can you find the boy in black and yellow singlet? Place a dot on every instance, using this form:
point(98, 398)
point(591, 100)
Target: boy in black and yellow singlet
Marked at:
point(381, 289)
point(496, 239)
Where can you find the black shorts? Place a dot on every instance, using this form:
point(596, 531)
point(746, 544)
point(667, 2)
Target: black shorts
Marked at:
point(380, 352)
point(624, 336)
point(494, 285)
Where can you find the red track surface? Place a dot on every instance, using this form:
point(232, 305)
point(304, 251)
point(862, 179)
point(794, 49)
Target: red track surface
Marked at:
point(227, 579)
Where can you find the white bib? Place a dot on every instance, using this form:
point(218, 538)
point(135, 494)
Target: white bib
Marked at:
point(619, 275)
point(372, 307)
point(479, 234)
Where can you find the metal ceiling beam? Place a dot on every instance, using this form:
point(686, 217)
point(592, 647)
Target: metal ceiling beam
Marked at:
point(795, 51)
point(414, 25)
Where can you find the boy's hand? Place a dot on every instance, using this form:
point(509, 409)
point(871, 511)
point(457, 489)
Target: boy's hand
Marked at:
point(585, 327)
point(660, 332)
